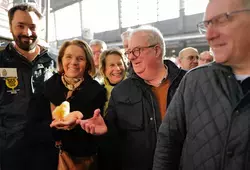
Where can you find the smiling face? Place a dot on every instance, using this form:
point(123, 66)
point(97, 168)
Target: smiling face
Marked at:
point(24, 29)
point(114, 68)
point(146, 63)
point(229, 42)
point(74, 61)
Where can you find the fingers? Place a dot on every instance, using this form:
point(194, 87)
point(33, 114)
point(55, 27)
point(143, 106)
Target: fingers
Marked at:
point(97, 113)
point(61, 124)
point(87, 126)
point(77, 114)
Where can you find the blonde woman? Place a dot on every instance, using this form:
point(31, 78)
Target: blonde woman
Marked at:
point(113, 69)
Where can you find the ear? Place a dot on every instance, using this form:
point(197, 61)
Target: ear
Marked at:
point(158, 51)
point(178, 60)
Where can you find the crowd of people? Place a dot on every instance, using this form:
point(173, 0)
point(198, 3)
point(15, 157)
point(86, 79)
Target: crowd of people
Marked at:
point(128, 111)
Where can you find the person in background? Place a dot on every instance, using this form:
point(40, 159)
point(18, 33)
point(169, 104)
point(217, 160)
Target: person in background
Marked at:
point(205, 57)
point(124, 37)
point(188, 58)
point(113, 69)
point(97, 46)
point(207, 125)
point(73, 83)
point(138, 104)
point(25, 140)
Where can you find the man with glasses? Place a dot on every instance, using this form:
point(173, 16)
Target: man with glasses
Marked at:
point(138, 104)
point(97, 47)
point(205, 58)
point(188, 58)
point(208, 120)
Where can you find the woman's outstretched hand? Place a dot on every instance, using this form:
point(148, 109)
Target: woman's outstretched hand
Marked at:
point(94, 125)
point(68, 122)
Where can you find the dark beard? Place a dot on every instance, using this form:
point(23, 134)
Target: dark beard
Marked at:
point(26, 46)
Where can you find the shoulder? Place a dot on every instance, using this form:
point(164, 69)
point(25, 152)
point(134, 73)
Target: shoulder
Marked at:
point(53, 81)
point(129, 90)
point(125, 85)
point(211, 73)
point(210, 68)
point(5, 53)
point(46, 57)
point(92, 87)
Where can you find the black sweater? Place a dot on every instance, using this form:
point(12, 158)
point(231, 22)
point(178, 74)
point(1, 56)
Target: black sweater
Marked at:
point(89, 96)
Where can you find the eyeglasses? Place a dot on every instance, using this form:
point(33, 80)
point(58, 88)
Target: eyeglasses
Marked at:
point(218, 20)
point(137, 50)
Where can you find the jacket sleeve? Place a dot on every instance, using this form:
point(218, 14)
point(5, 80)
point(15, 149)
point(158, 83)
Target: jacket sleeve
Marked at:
point(171, 134)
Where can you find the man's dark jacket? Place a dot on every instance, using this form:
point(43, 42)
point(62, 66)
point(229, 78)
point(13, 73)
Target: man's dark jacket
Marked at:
point(134, 113)
point(207, 125)
point(25, 136)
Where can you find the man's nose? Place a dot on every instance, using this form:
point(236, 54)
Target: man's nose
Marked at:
point(212, 32)
point(27, 31)
point(131, 56)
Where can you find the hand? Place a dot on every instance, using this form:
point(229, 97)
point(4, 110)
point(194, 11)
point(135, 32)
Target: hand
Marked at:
point(68, 122)
point(94, 125)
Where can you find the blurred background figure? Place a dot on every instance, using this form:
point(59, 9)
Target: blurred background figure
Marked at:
point(188, 58)
point(205, 57)
point(124, 37)
point(97, 47)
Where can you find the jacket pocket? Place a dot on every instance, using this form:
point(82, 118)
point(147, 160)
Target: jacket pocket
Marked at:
point(130, 113)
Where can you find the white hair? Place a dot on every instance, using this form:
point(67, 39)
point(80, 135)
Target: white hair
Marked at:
point(154, 36)
point(98, 42)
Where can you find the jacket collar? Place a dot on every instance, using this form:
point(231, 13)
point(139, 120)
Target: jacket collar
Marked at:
point(11, 49)
point(173, 71)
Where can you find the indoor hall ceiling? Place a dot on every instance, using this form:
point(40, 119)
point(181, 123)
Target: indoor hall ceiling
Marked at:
point(58, 4)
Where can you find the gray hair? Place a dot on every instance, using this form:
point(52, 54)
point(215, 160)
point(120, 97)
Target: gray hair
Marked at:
point(125, 35)
point(98, 42)
point(154, 36)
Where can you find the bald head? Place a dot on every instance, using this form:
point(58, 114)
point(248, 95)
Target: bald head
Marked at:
point(188, 58)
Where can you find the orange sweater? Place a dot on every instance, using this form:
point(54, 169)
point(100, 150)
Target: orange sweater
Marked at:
point(161, 93)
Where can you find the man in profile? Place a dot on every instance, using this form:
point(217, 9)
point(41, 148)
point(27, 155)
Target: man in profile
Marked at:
point(207, 124)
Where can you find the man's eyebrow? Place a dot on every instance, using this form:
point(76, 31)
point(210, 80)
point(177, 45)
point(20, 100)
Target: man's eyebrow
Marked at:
point(23, 23)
